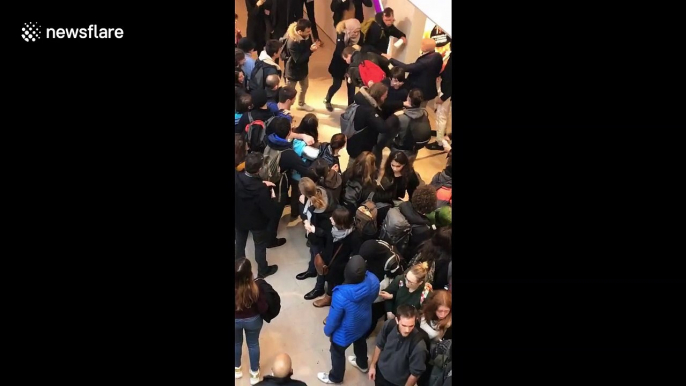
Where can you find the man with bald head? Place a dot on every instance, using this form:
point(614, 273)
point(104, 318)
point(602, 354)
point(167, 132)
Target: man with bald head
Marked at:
point(271, 86)
point(424, 71)
point(282, 370)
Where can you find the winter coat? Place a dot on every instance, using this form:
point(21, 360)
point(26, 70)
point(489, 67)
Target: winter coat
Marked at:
point(253, 204)
point(367, 117)
point(400, 185)
point(338, 7)
point(404, 140)
point(350, 246)
point(423, 73)
point(297, 67)
point(395, 99)
point(321, 218)
point(338, 67)
point(422, 229)
point(257, 25)
point(351, 310)
point(359, 57)
point(270, 380)
point(378, 36)
point(349, 198)
point(333, 183)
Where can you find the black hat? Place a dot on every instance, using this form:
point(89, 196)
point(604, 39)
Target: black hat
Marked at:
point(355, 270)
point(259, 97)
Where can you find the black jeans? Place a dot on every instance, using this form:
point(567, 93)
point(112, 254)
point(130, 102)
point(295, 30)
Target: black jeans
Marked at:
point(295, 198)
point(378, 311)
point(261, 240)
point(336, 85)
point(309, 6)
point(273, 226)
point(379, 380)
point(338, 359)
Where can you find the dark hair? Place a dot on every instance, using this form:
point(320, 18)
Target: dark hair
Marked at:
point(272, 80)
point(337, 141)
point(401, 158)
point(240, 55)
point(377, 90)
point(398, 73)
point(424, 199)
point(341, 216)
point(246, 45)
point(239, 148)
point(244, 103)
point(303, 24)
point(439, 246)
point(416, 97)
point(406, 311)
point(253, 162)
point(349, 50)
point(321, 169)
point(282, 127)
point(238, 81)
point(287, 93)
point(363, 169)
point(388, 12)
point(309, 125)
point(246, 291)
point(272, 47)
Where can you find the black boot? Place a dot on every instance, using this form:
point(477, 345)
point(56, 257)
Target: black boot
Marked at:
point(329, 106)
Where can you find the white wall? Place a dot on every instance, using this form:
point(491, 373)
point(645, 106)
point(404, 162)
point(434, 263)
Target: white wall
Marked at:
point(439, 11)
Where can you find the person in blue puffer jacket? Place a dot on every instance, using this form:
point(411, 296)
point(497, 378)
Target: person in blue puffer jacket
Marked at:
point(348, 320)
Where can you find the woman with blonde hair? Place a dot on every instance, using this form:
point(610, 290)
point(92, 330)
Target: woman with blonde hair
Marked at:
point(409, 289)
point(348, 33)
point(318, 204)
point(250, 303)
point(437, 314)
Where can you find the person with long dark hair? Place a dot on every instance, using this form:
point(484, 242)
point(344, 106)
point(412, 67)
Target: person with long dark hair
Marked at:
point(359, 180)
point(241, 150)
point(399, 176)
point(309, 126)
point(250, 303)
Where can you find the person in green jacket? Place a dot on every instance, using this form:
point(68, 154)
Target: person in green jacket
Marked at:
point(407, 289)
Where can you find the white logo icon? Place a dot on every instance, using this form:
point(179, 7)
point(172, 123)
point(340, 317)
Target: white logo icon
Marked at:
point(30, 32)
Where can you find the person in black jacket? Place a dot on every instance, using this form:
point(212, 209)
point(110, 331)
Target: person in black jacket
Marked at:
point(260, 111)
point(399, 176)
point(380, 31)
point(354, 58)
point(443, 103)
point(288, 162)
point(424, 71)
point(254, 211)
point(367, 122)
point(348, 34)
point(299, 47)
point(347, 9)
point(282, 371)
point(397, 93)
point(257, 21)
point(359, 181)
point(414, 127)
point(423, 201)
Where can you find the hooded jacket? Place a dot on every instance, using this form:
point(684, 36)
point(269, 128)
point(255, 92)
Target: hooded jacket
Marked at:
point(351, 306)
point(333, 183)
point(321, 218)
point(377, 38)
point(422, 229)
point(423, 73)
point(253, 204)
point(404, 140)
point(367, 117)
point(297, 67)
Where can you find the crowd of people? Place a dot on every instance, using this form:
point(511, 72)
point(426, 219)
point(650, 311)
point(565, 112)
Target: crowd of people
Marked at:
point(379, 237)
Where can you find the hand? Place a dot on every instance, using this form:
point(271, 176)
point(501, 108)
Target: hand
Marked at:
point(370, 83)
point(386, 56)
point(269, 183)
point(446, 144)
point(407, 104)
point(260, 2)
point(439, 101)
point(372, 373)
point(429, 286)
point(309, 141)
point(273, 194)
point(389, 316)
point(314, 47)
point(302, 200)
point(386, 295)
point(404, 39)
point(335, 168)
point(311, 228)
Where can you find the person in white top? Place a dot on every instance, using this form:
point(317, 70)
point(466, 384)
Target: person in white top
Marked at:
point(437, 314)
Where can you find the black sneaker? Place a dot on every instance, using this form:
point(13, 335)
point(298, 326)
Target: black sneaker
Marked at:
point(277, 243)
point(434, 146)
point(329, 106)
point(270, 271)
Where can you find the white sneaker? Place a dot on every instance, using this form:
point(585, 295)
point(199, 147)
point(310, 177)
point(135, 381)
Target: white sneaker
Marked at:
point(239, 372)
point(324, 377)
point(306, 107)
point(352, 358)
point(254, 377)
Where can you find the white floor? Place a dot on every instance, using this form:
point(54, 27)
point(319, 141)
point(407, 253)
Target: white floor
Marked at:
point(299, 330)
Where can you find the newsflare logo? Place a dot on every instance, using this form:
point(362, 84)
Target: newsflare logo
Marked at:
point(32, 31)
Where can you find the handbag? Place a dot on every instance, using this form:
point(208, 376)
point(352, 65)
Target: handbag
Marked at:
point(323, 269)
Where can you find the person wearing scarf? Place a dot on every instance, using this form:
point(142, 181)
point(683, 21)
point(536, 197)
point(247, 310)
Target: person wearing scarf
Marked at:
point(348, 33)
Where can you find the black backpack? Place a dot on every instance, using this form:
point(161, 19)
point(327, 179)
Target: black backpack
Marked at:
point(256, 134)
point(257, 76)
point(285, 55)
point(273, 300)
point(417, 134)
point(442, 361)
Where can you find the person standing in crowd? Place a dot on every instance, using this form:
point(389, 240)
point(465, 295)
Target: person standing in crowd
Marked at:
point(309, 6)
point(289, 161)
point(437, 314)
point(359, 180)
point(400, 353)
point(348, 9)
point(443, 181)
point(299, 48)
point(254, 211)
point(423, 202)
point(367, 122)
point(309, 126)
point(327, 177)
point(257, 21)
point(250, 303)
point(341, 243)
point(348, 34)
point(331, 152)
point(282, 371)
point(424, 71)
point(243, 105)
point(348, 317)
point(443, 103)
point(266, 66)
point(282, 109)
point(241, 151)
point(259, 112)
point(239, 86)
point(414, 127)
point(379, 32)
point(239, 59)
point(397, 93)
point(409, 289)
point(248, 47)
point(436, 253)
point(399, 176)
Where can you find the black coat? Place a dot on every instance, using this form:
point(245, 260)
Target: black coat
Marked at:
point(379, 35)
point(422, 229)
point(367, 117)
point(322, 220)
point(350, 246)
point(270, 380)
point(298, 65)
point(338, 66)
point(257, 25)
point(253, 204)
point(338, 6)
point(423, 73)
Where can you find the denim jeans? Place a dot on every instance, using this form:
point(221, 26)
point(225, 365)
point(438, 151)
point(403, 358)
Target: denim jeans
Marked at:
point(252, 327)
point(314, 249)
point(338, 359)
point(261, 240)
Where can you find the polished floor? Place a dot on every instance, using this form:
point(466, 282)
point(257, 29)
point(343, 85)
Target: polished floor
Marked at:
point(298, 330)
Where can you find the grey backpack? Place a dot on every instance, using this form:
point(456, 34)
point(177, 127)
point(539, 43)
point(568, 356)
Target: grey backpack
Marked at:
point(348, 121)
point(270, 170)
point(396, 230)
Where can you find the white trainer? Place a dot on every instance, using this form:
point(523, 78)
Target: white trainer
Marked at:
point(352, 361)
